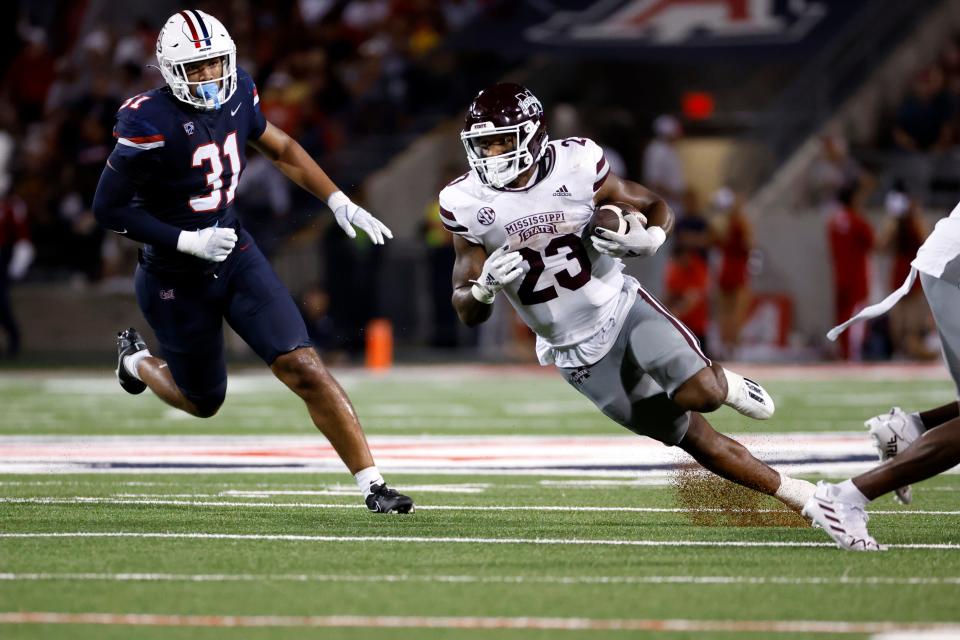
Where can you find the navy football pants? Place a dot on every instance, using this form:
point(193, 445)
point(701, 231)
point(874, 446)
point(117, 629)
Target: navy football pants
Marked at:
point(186, 312)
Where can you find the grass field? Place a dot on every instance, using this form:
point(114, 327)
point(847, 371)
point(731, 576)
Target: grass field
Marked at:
point(133, 547)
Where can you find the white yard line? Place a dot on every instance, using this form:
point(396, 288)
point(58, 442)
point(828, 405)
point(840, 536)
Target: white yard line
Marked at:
point(481, 579)
point(257, 537)
point(427, 507)
point(464, 622)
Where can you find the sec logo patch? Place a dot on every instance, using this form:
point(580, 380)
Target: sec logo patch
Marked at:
point(486, 216)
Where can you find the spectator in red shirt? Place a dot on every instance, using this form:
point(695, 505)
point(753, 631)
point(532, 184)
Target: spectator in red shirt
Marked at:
point(16, 254)
point(30, 75)
point(735, 241)
point(851, 242)
point(688, 290)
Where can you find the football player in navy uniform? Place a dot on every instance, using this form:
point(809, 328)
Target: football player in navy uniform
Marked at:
point(170, 184)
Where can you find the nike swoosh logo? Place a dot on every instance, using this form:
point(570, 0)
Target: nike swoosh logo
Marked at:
point(233, 112)
point(122, 233)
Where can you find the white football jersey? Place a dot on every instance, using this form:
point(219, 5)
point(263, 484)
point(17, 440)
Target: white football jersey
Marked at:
point(938, 255)
point(568, 290)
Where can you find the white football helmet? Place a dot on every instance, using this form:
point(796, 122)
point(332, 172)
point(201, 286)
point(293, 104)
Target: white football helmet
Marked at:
point(191, 36)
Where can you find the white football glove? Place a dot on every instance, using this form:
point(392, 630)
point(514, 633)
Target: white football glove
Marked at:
point(500, 269)
point(347, 214)
point(635, 243)
point(213, 243)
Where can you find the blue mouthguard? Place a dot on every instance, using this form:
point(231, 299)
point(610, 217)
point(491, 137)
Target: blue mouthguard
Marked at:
point(210, 91)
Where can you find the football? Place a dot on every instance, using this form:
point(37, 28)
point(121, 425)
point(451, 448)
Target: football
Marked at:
point(610, 216)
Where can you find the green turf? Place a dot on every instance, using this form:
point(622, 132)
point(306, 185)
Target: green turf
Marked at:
point(521, 579)
point(515, 403)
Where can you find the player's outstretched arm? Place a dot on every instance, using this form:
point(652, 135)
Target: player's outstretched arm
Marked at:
point(295, 163)
point(477, 278)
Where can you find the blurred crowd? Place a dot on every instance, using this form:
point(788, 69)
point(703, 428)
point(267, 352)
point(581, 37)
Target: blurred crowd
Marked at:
point(331, 72)
point(327, 72)
point(924, 131)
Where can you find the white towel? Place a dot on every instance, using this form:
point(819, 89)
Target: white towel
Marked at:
point(878, 309)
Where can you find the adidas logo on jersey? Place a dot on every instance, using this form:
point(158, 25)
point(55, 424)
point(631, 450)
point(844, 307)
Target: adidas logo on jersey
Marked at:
point(562, 191)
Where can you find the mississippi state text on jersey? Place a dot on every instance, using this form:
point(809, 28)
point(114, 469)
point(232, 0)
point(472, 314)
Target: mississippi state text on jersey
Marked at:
point(569, 289)
point(186, 162)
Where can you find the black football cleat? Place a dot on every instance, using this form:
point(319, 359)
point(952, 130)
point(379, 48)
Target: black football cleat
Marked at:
point(128, 343)
point(383, 499)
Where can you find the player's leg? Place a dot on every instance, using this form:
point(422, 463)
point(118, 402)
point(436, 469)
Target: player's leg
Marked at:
point(838, 508)
point(662, 347)
point(894, 432)
point(667, 350)
point(191, 375)
point(937, 449)
point(729, 459)
point(329, 407)
point(937, 416)
point(620, 387)
point(262, 312)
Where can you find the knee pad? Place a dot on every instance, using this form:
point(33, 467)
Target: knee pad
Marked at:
point(209, 401)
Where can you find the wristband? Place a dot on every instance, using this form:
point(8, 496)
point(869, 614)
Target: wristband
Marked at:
point(482, 294)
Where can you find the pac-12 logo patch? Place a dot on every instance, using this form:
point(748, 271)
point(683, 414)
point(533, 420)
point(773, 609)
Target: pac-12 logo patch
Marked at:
point(486, 216)
point(189, 128)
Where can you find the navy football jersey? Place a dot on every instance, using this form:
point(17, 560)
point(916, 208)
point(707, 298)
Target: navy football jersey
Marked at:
point(185, 162)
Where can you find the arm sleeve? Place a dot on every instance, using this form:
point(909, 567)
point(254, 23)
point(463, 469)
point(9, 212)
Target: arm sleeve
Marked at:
point(113, 208)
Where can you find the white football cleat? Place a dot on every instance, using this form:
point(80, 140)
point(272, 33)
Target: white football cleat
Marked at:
point(892, 433)
point(843, 521)
point(748, 397)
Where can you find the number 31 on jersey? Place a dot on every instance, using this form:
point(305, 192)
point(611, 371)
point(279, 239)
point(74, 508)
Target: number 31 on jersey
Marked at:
point(210, 153)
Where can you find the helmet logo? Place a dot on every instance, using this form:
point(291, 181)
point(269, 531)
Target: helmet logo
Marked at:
point(529, 104)
point(486, 216)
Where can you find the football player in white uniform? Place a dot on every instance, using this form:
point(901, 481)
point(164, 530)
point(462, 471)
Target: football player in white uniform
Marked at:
point(913, 446)
point(518, 218)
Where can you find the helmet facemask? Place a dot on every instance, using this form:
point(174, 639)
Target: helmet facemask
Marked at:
point(206, 94)
point(500, 170)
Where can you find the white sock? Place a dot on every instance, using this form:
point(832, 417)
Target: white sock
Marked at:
point(734, 383)
point(131, 362)
point(367, 478)
point(793, 492)
point(848, 492)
